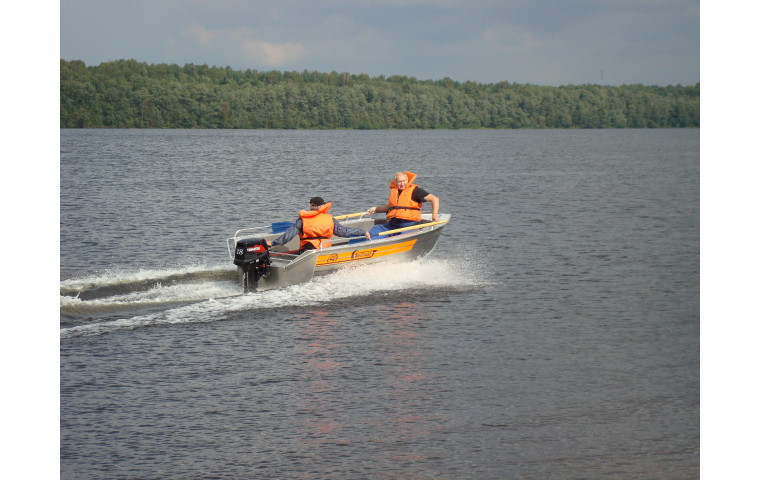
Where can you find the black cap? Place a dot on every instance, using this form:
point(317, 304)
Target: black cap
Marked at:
point(316, 201)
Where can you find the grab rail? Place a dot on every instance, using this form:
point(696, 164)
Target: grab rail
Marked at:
point(413, 227)
point(350, 215)
point(232, 241)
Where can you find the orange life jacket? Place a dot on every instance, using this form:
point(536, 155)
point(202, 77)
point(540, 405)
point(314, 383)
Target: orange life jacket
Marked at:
point(402, 206)
point(317, 227)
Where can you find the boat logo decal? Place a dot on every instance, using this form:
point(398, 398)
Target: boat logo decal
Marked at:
point(364, 255)
point(359, 254)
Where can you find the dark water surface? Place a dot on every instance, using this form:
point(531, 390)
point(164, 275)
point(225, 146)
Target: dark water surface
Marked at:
point(553, 332)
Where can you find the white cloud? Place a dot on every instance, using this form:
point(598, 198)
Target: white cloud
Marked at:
point(272, 54)
point(242, 44)
point(201, 35)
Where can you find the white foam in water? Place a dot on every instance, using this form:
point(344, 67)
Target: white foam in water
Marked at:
point(118, 277)
point(187, 292)
point(213, 300)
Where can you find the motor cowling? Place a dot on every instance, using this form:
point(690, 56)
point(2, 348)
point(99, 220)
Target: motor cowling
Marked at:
point(252, 256)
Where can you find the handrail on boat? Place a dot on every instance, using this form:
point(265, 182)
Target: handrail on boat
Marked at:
point(413, 227)
point(251, 230)
point(248, 231)
point(230, 241)
point(350, 215)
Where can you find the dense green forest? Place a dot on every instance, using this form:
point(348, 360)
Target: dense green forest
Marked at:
point(131, 94)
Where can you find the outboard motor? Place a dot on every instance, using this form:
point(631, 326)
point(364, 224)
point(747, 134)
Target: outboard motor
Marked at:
point(252, 256)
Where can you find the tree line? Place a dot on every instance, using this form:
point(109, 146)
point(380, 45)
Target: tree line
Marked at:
point(132, 94)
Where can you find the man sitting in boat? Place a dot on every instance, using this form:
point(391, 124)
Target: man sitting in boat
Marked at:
point(316, 227)
point(404, 207)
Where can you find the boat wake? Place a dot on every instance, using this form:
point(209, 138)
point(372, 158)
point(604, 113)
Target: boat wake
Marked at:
point(129, 300)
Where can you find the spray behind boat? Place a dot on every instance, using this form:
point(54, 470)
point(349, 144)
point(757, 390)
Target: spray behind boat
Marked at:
point(252, 256)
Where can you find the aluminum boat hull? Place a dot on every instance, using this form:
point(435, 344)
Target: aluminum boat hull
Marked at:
point(290, 269)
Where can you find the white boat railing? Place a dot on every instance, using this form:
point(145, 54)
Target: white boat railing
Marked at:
point(251, 231)
point(244, 232)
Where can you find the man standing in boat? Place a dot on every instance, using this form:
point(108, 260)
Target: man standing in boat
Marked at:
point(316, 227)
point(404, 207)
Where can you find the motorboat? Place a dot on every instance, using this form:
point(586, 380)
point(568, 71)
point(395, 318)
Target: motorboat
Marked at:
point(261, 267)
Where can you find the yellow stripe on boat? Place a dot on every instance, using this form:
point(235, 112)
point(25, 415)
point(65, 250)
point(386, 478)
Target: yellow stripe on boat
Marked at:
point(364, 254)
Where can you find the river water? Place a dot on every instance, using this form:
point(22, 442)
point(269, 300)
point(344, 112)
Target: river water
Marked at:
point(552, 333)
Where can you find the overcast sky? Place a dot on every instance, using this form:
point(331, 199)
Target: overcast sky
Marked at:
point(543, 42)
